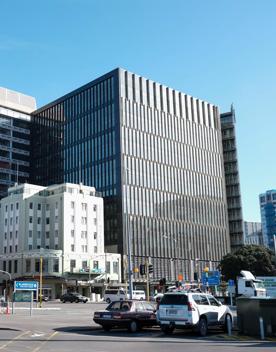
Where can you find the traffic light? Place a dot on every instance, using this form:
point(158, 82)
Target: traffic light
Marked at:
point(150, 268)
point(142, 269)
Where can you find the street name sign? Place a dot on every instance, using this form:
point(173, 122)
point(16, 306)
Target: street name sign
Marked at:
point(25, 285)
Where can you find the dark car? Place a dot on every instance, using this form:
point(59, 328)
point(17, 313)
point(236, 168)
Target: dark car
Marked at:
point(44, 298)
point(73, 297)
point(129, 314)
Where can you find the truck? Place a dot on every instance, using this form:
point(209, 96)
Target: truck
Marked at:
point(249, 286)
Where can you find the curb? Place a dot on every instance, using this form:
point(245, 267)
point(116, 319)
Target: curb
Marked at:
point(237, 337)
point(28, 308)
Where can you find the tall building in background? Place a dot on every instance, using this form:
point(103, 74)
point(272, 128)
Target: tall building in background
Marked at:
point(156, 156)
point(252, 233)
point(15, 109)
point(232, 179)
point(268, 217)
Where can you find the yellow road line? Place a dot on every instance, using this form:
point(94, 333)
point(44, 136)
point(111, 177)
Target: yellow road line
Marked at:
point(44, 342)
point(14, 339)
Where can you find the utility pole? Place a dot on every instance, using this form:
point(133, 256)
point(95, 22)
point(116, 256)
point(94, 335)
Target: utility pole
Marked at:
point(147, 278)
point(130, 278)
point(274, 239)
point(89, 279)
point(191, 270)
point(40, 283)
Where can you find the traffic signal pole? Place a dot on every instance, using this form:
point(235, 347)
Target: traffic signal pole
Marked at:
point(147, 278)
point(40, 283)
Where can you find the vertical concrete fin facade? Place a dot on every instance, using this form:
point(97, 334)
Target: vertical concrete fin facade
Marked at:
point(174, 199)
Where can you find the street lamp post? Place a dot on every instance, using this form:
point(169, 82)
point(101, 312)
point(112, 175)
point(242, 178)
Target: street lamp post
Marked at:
point(130, 278)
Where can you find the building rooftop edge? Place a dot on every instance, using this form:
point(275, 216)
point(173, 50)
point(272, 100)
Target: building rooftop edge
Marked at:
point(268, 191)
point(18, 101)
point(75, 91)
point(117, 71)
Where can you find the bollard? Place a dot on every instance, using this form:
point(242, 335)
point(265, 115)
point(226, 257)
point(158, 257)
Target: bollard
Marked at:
point(261, 328)
point(7, 308)
point(229, 325)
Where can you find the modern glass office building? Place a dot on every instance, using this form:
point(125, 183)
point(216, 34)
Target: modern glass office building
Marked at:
point(232, 178)
point(15, 138)
point(252, 231)
point(268, 217)
point(156, 156)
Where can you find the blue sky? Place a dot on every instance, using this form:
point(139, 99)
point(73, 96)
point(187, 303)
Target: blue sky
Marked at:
point(217, 50)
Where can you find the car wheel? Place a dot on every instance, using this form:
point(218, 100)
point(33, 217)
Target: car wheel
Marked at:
point(202, 327)
point(106, 327)
point(225, 326)
point(108, 300)
point(63, 301)
point(84, 301)
point(133, 326)
point(167, 329)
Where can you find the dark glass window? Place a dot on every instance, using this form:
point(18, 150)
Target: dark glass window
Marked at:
point(177, 299)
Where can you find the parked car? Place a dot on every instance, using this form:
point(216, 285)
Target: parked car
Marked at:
point(130, 314)
point(191, 310)
point(115, 294)
point(44, 298)
point(73, 297)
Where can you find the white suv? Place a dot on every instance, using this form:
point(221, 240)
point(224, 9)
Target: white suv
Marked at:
point(191, 310)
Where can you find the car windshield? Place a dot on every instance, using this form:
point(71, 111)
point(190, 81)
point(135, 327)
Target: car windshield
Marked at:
point(177, 299)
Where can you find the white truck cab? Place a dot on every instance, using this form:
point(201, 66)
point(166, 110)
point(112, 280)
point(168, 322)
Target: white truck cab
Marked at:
point(249, 286)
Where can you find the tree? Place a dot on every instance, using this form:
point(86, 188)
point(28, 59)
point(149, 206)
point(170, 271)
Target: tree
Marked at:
point(257, 259)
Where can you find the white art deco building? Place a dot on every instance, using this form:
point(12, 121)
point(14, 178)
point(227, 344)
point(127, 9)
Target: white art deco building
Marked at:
point(63, 224)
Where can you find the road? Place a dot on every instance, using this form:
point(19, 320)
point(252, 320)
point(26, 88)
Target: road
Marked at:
point(69, 327)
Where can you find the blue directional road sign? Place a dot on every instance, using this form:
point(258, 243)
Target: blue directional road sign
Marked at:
point(25, 285)
point(212, 278)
